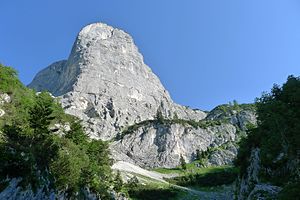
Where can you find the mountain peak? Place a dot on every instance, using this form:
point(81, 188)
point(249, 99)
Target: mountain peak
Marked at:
point(97, 30)
point(106, 83)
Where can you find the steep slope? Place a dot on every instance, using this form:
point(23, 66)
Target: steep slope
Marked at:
point(106, 83)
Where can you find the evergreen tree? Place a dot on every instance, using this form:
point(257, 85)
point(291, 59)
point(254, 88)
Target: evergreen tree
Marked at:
point(182, 162)
point(133, 182)
point(198, 154)
point(277, 136)
point(77, 134)
point(41, 115)
point(118, 182)
point(159, 116)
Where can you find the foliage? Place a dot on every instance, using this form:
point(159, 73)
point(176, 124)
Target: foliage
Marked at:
point(76, 134)
point(277, 133)
point(118, 182)
point(133, 182)
point(68, 167)
point(9, 80)
point(234, 106)
point(29, 150)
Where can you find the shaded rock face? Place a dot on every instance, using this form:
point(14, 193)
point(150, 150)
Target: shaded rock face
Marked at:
point(249, 185)
point(106, 83)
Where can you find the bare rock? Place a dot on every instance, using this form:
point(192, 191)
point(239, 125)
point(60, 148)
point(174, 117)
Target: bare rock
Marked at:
point(106, 83)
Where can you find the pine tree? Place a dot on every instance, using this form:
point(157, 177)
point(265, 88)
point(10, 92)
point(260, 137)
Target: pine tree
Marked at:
point(182, 162)
point(41, 115)
point(118, 182)
point(159, 116)
point(76, 134)
point(198, 154)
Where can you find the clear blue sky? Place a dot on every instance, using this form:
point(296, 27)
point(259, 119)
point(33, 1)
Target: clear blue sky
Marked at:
point(206, 52)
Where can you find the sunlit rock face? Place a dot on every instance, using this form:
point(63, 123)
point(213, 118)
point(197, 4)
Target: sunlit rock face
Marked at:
point(106, 83)
point(157, 145)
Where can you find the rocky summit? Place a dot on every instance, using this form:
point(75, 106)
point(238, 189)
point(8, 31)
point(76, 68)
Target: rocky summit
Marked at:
point(106, 83)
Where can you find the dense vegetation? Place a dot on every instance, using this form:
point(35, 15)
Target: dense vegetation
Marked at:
point(29, 149)
point(278, 138)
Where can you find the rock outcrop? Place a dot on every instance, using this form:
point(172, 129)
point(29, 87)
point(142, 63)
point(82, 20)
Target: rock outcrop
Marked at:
point(106, 83)
point(160, 145)
point(4, 98)
point(249, 185)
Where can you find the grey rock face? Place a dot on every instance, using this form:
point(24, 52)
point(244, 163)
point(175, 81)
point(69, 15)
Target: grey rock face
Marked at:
point(153, 144)
point(2, 112)
point(106, 83)
point(15, 192)
point(249, 185)
point(240, 116)
point(159, 145)
point(50, 79)
point(264, 192)
point(4, 98)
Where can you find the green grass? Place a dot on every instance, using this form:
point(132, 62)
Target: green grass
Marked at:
point(192, 169)
point(169, 171)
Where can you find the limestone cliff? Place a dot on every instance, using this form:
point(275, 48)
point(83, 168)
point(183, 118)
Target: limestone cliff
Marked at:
point(106, 83)
point(159, 143)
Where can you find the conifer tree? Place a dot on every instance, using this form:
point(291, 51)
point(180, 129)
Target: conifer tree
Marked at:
point(182, 162)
